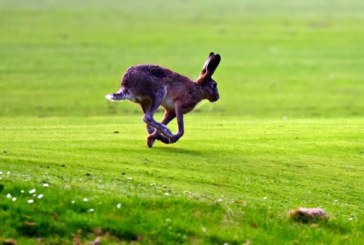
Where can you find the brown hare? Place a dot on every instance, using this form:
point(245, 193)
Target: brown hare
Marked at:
point(152, 86)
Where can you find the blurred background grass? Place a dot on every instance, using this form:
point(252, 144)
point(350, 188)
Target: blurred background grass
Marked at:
point(280, 58)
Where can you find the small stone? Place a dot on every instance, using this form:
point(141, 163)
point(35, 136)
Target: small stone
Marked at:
point(306, 215)
point(9, 241)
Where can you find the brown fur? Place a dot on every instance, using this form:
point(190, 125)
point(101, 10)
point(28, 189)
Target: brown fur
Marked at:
point(152, 86)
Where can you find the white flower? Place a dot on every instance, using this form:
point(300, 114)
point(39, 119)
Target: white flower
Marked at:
point(8, 172)
point(32, 191)
point(85, 199)
point(118, 205)
point(40, 196)
point(265, 198)
point(22, 191)
point(45, 184)
point(1, 172)
point(9, 196)
point(13, 199)
point(129, 178)
point(30, 201)
point(73, 202)
point(167, 194)
point(351, 219)
point(91, 210)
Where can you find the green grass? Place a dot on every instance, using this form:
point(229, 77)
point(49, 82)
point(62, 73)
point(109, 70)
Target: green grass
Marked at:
point(232, 184)
point(287, 132)
point(278, 59)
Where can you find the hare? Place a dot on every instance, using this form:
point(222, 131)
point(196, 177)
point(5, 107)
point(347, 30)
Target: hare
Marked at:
point(152, 86)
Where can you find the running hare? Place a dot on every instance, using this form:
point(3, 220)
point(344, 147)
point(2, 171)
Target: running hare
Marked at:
point(153, 86)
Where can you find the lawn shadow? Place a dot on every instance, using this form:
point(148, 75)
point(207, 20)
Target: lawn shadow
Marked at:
point(177, 150)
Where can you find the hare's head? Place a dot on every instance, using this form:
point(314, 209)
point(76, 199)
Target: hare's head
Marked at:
point(205, 80)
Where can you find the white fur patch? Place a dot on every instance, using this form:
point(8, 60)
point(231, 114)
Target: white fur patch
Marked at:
point(167, 102)
point(110, 97)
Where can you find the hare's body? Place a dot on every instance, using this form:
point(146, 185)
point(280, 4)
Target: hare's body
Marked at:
point(142, 82)
point(152, 86)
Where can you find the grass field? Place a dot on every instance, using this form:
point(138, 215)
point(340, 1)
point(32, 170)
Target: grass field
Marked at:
point(287, 132)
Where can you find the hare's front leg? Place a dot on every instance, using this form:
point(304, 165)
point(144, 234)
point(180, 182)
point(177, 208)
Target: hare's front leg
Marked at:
point(179, 114)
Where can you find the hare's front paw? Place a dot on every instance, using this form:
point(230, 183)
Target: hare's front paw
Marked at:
point(166, 132)
point(174, 138)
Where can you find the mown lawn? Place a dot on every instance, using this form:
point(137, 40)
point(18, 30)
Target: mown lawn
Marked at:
point(287, 132)
point(279, 58)
point(228, 180)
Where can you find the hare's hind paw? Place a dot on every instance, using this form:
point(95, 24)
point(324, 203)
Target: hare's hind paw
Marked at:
point(150, 141)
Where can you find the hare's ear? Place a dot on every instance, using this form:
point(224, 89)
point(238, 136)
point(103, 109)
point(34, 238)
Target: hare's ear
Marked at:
point(211, 64)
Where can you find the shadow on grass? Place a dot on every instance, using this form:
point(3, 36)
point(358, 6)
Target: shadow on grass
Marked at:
point(177, 150)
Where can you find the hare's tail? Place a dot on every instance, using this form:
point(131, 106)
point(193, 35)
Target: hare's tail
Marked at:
point(117, 96)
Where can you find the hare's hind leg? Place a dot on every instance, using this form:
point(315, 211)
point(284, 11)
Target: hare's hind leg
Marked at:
point(145, 107)
point(156, 135)
point(149, 113)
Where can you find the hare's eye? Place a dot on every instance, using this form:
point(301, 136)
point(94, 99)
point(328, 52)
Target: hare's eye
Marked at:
point(214, 85)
